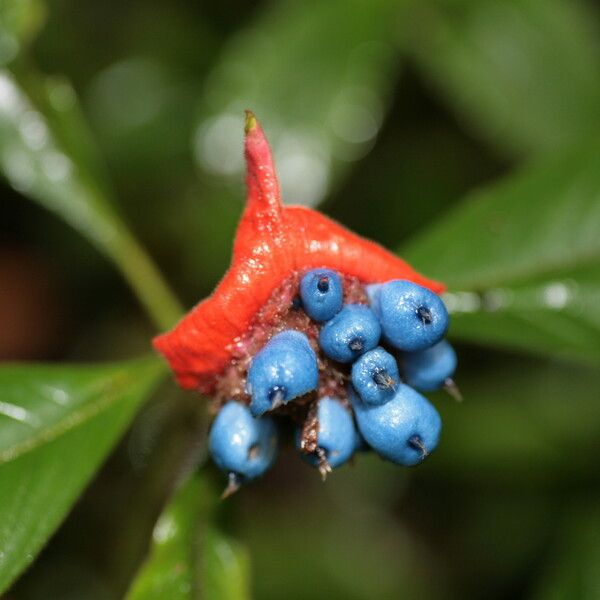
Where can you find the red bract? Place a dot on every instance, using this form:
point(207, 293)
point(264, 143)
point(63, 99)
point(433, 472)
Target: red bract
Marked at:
point(272, 243)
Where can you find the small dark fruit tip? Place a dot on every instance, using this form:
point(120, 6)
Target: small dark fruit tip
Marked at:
point(417, 443)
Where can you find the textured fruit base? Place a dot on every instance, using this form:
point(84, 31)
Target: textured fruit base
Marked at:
point(283, 311)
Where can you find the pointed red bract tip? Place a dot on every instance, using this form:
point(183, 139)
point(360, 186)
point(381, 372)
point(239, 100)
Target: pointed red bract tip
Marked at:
point(272, 243)
point(263, 203)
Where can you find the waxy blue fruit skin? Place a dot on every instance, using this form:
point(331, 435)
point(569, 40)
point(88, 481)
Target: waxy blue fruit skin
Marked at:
point(352, 332)
point(241, 444)
point(375, 376)
point(372, 291)
point(338, 436)
point(281, 371)
point(322, 294)
point(412, 317)
point(403, 430)
point(428, 369)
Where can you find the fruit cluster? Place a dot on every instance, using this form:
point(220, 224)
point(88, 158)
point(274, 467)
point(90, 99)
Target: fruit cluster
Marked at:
point(341, 362)
point(315, 327)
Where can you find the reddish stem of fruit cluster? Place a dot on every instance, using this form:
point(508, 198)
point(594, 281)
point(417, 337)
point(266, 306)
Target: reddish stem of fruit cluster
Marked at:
point(272, 242)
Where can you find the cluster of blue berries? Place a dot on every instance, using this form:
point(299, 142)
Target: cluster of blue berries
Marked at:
point(378, 353)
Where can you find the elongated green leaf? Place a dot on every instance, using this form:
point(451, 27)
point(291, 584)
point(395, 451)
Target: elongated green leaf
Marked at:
point(523, 73)
point(318, 75)
point(19, 21)
point(522, 259)
point(57, 424)
point(573, 570)
point(523, 419)
point(225, 567)
point(189, 555)
point(46, 156)
point(169, 570)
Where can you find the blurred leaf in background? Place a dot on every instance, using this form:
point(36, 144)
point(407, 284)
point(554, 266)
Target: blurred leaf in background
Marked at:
point(62, 178)
point(20, 21)
point(573, 573)
point(522, 73)
point(530, 275)
point(319, 76)
point(190, 556)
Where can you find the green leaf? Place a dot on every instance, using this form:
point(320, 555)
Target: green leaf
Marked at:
point(525, 74)
point(545, 416)
point(522, 259)
point(58, 424)
point(169, 569)
point(573, 570)
point(46, 155)
point(19, 22)
point(318, 75)
point(190, 555)
point(225, 567)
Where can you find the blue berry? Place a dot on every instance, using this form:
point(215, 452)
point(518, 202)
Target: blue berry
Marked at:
point(430, 369)
point(404, 430)
point(283, 370)
point(353, 331)
point(372, 291)
point(322, 294)
point(242, 445)
point(412, 317)
point(375, 376)
point(337, 438)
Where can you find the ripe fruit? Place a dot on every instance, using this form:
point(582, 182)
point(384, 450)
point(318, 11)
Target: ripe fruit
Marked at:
point(337, 438)
point(375, 376)
point(352, 332)
point(240, 445)
point(404, 430)
point(283, 370)
point(275, 336)
point(412, 317)
point(321, 294)
point(430, 369)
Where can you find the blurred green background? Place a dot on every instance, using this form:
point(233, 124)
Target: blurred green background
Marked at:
point(387, 115)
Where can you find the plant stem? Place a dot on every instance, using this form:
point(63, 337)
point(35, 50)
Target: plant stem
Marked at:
point(146, 281)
